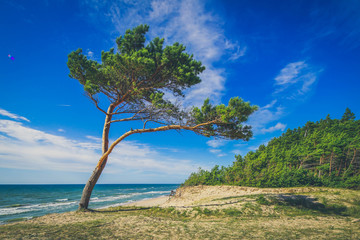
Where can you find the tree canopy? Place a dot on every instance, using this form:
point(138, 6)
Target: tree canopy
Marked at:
point(135, 80)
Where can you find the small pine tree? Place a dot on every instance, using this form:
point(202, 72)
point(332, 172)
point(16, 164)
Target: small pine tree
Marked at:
point(348, 115)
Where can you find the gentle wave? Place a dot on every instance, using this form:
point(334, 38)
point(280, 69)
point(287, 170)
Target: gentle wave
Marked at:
point(32, 208)
point(11, 211)
point(62, 200)
point(113, 198)
point(157, 192)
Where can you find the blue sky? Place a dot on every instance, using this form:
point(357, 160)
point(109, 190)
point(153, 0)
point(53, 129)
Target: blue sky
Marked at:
point(296, 60)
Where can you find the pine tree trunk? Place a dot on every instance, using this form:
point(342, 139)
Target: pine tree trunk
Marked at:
point(86, 194)
point(320, 165)
point(331, 158)
point(338, 174)
point(350, 162)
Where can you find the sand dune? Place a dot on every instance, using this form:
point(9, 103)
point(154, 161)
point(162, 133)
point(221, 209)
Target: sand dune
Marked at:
point(213, 195)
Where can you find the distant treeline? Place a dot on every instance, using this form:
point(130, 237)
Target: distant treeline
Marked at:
point(324, 153)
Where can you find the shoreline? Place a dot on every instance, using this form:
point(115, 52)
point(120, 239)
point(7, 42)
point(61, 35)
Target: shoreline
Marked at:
point(64, 198)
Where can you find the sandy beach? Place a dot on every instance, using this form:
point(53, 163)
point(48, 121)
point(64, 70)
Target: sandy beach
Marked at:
point(151, 202)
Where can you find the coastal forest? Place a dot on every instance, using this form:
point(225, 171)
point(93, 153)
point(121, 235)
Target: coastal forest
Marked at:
point(322, 153)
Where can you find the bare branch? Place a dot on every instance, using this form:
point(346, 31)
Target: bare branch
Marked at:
point(145, 123)
point(130, 118)
point(106, 93)
point(151, 120)
point(96, 103)
point(125, 120)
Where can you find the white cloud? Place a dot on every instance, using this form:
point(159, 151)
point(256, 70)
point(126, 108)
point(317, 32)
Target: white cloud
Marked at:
point(278, 126)
point(161, 9)
point(265, 115)
point(90, 54)
point(61, 130)
point(5, 113)
point(215, 151)
point(212, 86)
point(27, 148)
point(222, 155)
point(199, 30)
point(215, 143)
point(23, 147)
point(96, 139)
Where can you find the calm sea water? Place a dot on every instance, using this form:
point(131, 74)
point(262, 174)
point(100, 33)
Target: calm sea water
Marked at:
point(28, 201)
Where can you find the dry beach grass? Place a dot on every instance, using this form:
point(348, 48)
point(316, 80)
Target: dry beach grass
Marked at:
point(209, 212)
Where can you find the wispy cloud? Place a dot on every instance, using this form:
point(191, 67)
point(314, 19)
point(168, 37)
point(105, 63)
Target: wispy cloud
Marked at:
point(296, 78)
point(292, 85)
point(264, 116)
point(337, 22)
point(96, 139)
point(215, 143)
point(182, 21)
point(161, 9)
point(5, 113)
point(239, 50)
point(217, 152)
point(289, 74)
point(222, 155)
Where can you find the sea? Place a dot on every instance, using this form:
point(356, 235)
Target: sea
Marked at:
point(20, 202)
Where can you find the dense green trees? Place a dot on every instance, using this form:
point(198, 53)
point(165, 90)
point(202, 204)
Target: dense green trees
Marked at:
point(324, 153)
point(130, 84)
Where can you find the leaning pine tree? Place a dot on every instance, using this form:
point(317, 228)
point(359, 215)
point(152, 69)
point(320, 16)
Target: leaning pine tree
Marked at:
point(134, 80)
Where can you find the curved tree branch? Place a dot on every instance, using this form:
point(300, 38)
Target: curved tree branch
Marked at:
point(158, 129)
